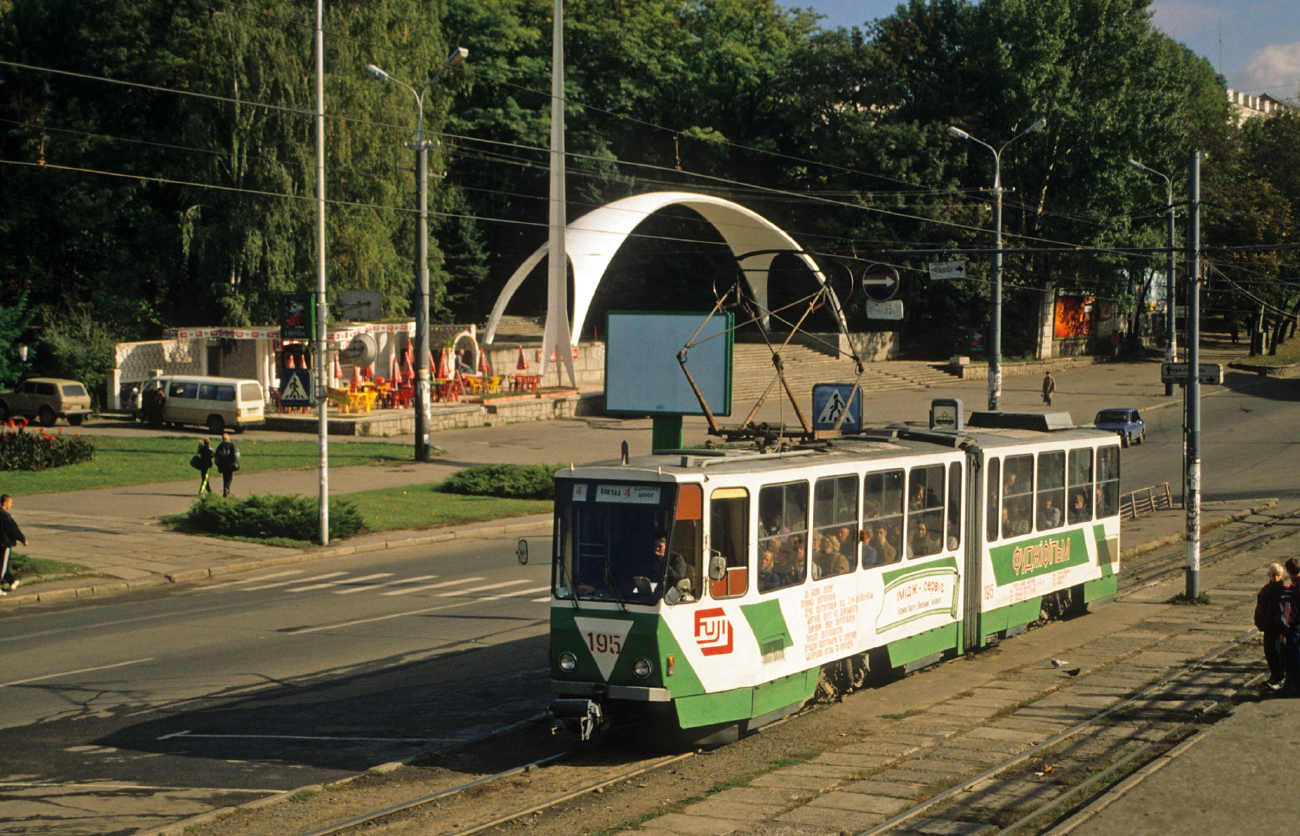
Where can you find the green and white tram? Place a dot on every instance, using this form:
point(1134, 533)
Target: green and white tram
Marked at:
point(710, 592)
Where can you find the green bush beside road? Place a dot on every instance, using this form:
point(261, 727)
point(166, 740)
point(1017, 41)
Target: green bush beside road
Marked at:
point(514, 481)
point(271, 517)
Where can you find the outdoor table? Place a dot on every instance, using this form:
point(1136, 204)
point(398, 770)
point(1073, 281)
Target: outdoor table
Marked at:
point(526, 382)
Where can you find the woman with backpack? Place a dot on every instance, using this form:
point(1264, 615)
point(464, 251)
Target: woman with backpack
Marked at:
point(226, 458)
point(202, 462)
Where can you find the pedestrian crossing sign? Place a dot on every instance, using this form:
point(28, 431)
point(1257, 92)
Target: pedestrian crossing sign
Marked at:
point(832, 400)
point(296, 388)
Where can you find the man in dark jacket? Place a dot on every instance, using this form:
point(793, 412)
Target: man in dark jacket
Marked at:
point(226, 459)
point(10, 536)
point(1268, 619)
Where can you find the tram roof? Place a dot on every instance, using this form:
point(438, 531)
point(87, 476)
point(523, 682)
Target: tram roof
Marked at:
point(886, 443)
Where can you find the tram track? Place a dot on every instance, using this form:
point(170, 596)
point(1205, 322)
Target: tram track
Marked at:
point(1162, 564)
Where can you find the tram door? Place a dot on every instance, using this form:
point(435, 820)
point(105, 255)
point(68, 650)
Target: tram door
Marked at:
point(972, 581)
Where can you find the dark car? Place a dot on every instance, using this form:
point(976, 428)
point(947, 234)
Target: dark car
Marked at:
point(1126, 422)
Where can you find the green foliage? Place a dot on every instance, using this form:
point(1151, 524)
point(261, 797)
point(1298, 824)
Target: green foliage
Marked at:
point(517, 481)
point(21, 449)
point(265, 516)
point(14, 320)
point(79, 346)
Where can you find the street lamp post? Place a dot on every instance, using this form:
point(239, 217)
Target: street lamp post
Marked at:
point(1171, 338)
point(421, 147)
point(995, 296)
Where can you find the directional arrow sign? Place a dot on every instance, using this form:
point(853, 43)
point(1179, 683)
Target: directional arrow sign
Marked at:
point(1208, 373)
point(880, 281)
point(940, 270)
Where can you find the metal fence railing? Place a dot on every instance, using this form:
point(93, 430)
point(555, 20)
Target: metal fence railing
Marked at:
point(1145, 501)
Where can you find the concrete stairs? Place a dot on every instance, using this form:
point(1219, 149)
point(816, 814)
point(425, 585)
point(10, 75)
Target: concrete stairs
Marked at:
point(752, 370)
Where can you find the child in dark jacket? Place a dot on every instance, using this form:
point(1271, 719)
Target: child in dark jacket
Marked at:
point(1268, 619)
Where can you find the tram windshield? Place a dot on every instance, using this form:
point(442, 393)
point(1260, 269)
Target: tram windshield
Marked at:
point(630, 543)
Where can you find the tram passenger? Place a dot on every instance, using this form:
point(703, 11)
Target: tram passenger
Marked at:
point(792, 562)
point(870, 555)
point(922, 543)
point(885, 551)
point(917, 502)
point(1079, 510)
point(828, 561)
point(768, 579)
point(1049, 515)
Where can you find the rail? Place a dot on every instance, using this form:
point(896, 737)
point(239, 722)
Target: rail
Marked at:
point(1145, 501)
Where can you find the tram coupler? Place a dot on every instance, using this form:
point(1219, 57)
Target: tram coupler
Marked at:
point(575, 716)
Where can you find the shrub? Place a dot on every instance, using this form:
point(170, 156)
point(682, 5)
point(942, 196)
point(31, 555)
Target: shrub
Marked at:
point(512, 481)
point(266, 516)
point(39, 450)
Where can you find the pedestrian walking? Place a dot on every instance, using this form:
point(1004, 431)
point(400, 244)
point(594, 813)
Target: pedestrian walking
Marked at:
point(1049, 388)
point(203, 462)
point(1268, 619)
point(1289, 617)
point(10, 536)
point(226, 458)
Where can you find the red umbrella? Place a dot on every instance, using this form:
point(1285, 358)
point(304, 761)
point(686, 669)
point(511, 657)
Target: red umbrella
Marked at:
point(356, 377)
point(338, 372)
point(395, 372)
point(408, 372)
point(484, 367)
point(368, 372)
point(522, 365)
point(444, 367)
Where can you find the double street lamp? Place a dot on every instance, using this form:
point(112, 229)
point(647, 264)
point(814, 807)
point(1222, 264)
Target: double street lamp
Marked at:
point(995, 296)
point(421, 147)
point(1171, 339)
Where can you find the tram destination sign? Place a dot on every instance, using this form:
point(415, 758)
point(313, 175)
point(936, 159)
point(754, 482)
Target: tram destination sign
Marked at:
point(1208, 373)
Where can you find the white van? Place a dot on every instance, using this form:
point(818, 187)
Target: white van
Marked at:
point(218, 403)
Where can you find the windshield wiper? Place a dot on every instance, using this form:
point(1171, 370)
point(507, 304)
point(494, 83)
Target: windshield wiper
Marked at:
point(622, 605)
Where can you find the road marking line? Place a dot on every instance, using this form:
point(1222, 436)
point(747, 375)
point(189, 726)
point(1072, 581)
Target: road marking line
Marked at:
point(254, 580)
point(296, 580)
point(388, 617)
point(398, 582)
point(431, 586)
point(328, 584)
point(518, 592)
point(545, 600)
point(472, 590)
point(73, 673)
point(362, 586)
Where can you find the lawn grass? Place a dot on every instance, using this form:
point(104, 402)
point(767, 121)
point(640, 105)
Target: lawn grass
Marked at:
point(1288, 353)
point(126, 460)
point(37, 569)
point(421, 506)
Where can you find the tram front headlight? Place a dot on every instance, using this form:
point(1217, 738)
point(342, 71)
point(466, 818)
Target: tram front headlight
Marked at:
point(641, 668)
point(568, 662)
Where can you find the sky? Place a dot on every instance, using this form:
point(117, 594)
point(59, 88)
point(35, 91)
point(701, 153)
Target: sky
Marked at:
point(1254, 44)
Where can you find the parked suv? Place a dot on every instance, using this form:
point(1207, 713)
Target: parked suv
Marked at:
point(1130, 426)
point(46, 399)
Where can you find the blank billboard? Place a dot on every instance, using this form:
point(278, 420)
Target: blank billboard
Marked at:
point(642, 375)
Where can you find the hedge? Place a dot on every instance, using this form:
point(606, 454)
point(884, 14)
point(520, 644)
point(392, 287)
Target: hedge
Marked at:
point(510, 481)
point(266, 516)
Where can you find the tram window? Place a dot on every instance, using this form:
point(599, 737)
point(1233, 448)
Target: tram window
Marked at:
point(783, 531)
point(924, 510)
point(1079, 490)
point(683, 575)
point(1017, 496)
point(1051, 489)
point(953, 535)
point(835, 526)
point(1107, 492)
point(729, 537)
point(882, 507)
point(994, 467)
point(607, 550)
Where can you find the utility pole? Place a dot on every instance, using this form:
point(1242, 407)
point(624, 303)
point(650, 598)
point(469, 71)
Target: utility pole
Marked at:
point(318, 388)
point(1192, 489)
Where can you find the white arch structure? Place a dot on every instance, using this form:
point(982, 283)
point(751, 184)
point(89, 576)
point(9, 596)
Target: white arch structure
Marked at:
point(592, 240)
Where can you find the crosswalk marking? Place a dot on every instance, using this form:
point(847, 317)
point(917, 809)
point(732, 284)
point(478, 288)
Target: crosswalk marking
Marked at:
point(472, 590)
point(374, 586)
point(431, 586)
point(296, 580)
point(328, 584)
point(518, 592)
point(257, 579)
point(361, 585)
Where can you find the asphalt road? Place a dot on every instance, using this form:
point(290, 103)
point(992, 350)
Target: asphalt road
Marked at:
point(153, 707)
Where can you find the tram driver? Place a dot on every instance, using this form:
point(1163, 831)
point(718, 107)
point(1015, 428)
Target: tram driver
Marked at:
point(670, 570)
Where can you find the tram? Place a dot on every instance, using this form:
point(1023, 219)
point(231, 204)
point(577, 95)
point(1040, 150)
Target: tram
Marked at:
point(704, 593)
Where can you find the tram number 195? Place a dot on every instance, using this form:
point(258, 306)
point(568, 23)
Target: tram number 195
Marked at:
point(604, 643)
